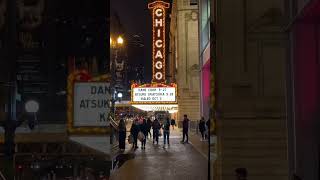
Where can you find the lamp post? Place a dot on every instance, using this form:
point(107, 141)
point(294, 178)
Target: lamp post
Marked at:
point(115, 45)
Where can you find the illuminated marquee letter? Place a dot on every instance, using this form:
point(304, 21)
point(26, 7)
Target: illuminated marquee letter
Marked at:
point(159, 23)
point(158, 55)
point(158, 33)
point(158, 12)
point(158, 65)
point(158, 75)
point(159, 43)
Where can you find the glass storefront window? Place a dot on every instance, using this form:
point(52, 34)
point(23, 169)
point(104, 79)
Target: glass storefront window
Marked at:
point(205, 23)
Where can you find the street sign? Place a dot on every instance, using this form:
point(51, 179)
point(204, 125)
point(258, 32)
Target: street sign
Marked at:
point(92, 103)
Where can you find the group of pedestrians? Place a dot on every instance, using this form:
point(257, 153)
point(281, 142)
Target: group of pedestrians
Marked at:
point(144, 129)
point(204, 128)
point(141, 130)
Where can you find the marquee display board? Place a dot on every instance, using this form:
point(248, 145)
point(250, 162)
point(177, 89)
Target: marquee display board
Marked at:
point(89, 105)
point(154, 93)
point(159, 40)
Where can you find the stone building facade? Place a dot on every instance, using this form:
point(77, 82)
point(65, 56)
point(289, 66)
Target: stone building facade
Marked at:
point(184, 45)
point(250, 104)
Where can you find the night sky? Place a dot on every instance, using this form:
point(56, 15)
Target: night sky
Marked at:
point(136, 20)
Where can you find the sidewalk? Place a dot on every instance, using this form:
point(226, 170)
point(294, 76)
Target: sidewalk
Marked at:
point(178, 161)
point(201, 146)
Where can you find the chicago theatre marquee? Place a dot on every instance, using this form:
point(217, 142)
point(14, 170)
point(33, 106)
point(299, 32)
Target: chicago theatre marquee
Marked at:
point(158, 95)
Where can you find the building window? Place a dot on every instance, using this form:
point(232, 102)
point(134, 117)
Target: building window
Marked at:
point(193, 2)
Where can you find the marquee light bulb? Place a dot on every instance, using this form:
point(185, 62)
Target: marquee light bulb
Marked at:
point(120, 40)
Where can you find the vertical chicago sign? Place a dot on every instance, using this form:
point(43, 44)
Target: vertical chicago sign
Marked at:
point(158, 44)
point(158, 95)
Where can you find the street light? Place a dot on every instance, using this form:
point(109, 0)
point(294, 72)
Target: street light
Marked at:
point(116, 43)
point(119, 95)
point(32, 106)
point(120, 40)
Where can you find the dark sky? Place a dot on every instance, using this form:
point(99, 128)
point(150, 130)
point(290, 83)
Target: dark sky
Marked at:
point(136, 19)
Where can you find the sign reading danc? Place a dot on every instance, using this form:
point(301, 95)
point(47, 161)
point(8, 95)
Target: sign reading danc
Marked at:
point(91, 103)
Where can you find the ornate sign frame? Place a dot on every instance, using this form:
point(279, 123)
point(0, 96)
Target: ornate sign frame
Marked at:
point(82, 76)
point(153, 85)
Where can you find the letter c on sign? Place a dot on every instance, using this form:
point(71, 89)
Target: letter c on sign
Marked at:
point(158, 43)
point(158, 12)
point(158, 64)
point(158, 75)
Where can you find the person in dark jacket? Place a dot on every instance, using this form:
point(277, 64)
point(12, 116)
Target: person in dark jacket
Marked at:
point(149, 124)
point(134, 131)
point(122, 135)
point(173, 123)
point(185, 129)
point(166, 132)
point(144, 130)
point(202, 128)
point(156, 127)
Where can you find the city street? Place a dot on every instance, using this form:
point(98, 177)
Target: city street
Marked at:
point(179, 161)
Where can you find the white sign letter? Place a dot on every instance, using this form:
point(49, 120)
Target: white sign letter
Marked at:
point(158, 22)
point(158, 43)
point(159, 54)
point(158, 12)
point(158, 75)
point(158, 64)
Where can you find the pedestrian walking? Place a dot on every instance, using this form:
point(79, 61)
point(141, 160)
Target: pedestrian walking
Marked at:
point(144, 130)
point(202, 128)
point(135, 131)
point(166, 132)
point(122, 135)
point(241, 173)
point(185, 129)
point(173, 123)
point(149, 124)
point(156, 128)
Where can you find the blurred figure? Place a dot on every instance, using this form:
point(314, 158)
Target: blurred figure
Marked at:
point(173, 123)
point(202, 128)
point(135, 131)
point(241, 173)
point(166, 132)
point(144, 130)
point(122, 135)
point(149, 124)
point(156, 128)
point(185, 129)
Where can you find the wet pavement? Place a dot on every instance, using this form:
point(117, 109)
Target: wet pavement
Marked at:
point(171, 163)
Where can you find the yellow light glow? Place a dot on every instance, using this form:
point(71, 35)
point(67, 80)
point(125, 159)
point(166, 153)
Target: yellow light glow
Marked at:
point(157, 107)
point(111, 41)
point(173, 111)
point(120, 40)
